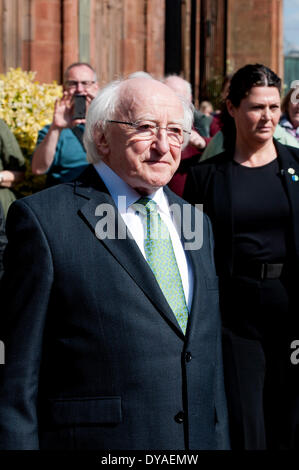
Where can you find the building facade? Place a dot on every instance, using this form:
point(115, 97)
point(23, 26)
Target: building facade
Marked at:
point(201, 39)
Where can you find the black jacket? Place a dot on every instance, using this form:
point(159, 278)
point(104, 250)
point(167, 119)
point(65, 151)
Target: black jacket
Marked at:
point(209, 183)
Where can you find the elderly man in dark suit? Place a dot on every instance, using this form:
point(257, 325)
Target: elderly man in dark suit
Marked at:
point(110, 322)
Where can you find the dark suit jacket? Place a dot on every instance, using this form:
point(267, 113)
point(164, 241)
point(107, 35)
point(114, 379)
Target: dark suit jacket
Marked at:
point(209, 183)
point(95, 358)
point(3, 239)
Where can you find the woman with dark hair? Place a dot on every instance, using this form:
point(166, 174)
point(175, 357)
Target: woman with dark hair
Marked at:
point(290, 108)
point(251, 193)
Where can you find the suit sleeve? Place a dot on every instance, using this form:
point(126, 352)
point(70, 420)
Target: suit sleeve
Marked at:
point(25, 292)
point(11, 155)
point(196, 183)
point(222, 424)
point(3, 239)
point(191, 187)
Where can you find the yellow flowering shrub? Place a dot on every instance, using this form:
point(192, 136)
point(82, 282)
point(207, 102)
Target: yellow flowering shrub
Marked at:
point(26, 106)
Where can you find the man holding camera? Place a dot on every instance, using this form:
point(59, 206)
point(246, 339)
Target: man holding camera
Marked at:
point(60, 152)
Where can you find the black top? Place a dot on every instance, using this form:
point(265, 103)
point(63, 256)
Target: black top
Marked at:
point(261, 213)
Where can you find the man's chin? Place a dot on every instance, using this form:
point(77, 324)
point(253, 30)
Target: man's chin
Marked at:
point(152, 181)
point(150, 187)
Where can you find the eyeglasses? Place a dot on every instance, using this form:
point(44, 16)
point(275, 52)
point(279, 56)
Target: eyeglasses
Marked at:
point(148, 130)
point(74, 83)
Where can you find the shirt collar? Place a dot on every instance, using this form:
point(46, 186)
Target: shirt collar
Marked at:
point(123, 194)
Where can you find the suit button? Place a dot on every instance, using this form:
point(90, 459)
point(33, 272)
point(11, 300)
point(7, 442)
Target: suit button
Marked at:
point(188, 356)
point(179, 418)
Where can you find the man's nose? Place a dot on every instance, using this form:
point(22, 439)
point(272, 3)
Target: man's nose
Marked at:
point(267, 114)
point(161, 141)
point(79, 88)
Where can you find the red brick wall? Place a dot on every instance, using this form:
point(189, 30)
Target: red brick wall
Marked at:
point(45, 43)
point(128, 35)
point(155, 37)
point(54, 38)
point(254, 33)
point(70, 45)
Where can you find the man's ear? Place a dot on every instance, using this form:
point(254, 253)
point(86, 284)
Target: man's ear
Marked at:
point(230, 108)
point(101, 142)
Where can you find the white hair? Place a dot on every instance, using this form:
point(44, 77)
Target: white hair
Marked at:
point(140, 74)
point(104, 108)
point(179, 85)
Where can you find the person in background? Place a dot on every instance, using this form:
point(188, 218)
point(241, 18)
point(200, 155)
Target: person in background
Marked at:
point(12, 166)
point(60, 151)
point(251, 194)
point(217, 145)
point(201, 124)
point(220, 136)
point(290, 108)
point(113, 340)
point(206, 108)
point(198, 138)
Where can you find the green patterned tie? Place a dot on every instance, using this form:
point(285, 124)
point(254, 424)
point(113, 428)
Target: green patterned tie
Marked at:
point(161, 258)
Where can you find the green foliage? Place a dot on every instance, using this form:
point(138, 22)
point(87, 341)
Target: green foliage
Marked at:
point(213, 91)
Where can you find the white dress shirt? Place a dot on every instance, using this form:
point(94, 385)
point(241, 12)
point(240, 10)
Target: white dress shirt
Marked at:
point(124, 196)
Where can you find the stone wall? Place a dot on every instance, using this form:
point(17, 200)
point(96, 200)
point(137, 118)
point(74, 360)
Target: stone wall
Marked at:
point(122, 36)
point(254, 33)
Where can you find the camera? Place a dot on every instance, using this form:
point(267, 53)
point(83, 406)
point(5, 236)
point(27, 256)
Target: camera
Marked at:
point(79, 107)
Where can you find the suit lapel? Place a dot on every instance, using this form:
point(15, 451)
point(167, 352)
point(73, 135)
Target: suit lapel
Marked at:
point(223, 206)
point(289, 166)
point(119, 241)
